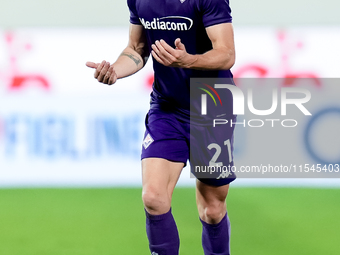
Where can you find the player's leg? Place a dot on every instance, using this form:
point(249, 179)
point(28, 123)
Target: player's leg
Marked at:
point(212, 209)
point(159, 180)
point(164, 152)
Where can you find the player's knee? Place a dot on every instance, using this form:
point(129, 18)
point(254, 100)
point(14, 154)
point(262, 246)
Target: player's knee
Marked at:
point(213, 213)
point(154, 202)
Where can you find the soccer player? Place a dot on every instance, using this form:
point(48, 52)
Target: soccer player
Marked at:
point(186, 38)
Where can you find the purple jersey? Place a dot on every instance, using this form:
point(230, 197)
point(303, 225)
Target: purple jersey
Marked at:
point(187, 20)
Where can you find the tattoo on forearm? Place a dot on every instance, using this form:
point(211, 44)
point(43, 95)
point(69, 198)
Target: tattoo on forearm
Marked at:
point(134, 58)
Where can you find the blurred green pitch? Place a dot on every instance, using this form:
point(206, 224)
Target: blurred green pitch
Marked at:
point(265, 221)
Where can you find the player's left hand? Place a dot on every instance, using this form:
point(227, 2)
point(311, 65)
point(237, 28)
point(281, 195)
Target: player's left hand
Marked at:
point(169, 56)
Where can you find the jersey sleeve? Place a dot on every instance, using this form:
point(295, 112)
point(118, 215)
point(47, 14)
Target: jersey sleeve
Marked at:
point(215, 12)
point(133, 12)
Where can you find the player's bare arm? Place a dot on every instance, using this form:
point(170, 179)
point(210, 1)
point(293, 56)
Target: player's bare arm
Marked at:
point(221, 57)
point(131, 60)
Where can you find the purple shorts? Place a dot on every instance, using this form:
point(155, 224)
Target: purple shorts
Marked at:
point(209, 149)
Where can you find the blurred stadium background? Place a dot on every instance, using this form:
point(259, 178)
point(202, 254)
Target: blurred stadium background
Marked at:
point(69, 147)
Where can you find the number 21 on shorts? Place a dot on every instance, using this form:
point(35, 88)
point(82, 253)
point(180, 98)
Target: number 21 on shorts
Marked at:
point(218, 148)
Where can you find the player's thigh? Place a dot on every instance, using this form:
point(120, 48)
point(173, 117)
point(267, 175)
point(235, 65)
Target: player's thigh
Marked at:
point(211, 201)
point(159, 178)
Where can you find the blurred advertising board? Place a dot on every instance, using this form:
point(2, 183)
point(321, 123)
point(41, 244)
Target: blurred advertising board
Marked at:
point(60, 127)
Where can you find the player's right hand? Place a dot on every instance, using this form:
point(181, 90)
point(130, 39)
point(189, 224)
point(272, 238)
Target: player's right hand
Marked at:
point(104, 72)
